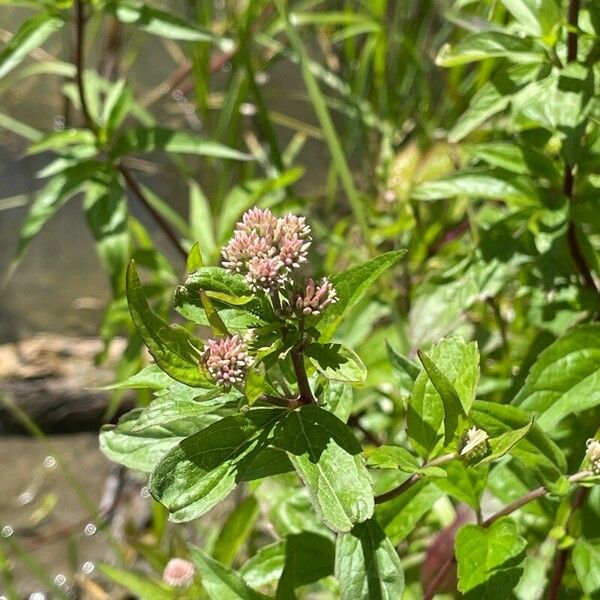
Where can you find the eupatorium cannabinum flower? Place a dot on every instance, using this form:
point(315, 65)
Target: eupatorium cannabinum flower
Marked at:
point(227, 359)
point(593, 453)
point(179, 572)
point(265, 249)
point(316, 297)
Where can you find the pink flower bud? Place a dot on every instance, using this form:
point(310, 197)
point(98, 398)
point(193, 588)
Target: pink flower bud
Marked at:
point(265, 273)
point(227, 359)
point(179, 573)
point(316, 298)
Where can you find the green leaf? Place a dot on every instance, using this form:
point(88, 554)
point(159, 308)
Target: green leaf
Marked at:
point(586, 560)
point(143, 450)
point(536, 17)
point(517, 190)
point(337, 362)
point(351, 287)
point(158, 22)
point(221, 583)
point(393, 457)
point(536, 450)
point(105, 207)
point(400, 516)
point(32, 34)
point(326, 456)
point(265, 567)
point(367, 564)
point(488, 559)
point(458, 361)
point(337, 398)
point(116, 106)
point(504, 443)
point(565, 379)
point(169, 140)
point(201, 221)
point(220, 284)
point(235, 530)
point(139, 585)
point(404, 367)
point(58, 140)
point(309, 557)
point(490, 44)
point(150, 377)
point(175, 349)
point(453, 408)
point(205, 467)
point(466, 484)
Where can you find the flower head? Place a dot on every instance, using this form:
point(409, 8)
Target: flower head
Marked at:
point(474, 444)
point(227, 359)
point(316, 297)
point(266, 273)
point(593, 453)
point(265, 249)
point(179, 572)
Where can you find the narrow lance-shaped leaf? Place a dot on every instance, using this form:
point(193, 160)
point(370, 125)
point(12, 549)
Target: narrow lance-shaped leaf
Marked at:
point(32, 34)
point(174, 348)
point(453, 409)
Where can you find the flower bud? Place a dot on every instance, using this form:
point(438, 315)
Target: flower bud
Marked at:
point(316, 297)
point(227, 359)
point(474, 444)
point(179, 573)
point(593, 453)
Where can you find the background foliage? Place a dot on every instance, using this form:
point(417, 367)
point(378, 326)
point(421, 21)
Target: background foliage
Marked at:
point(465, 132)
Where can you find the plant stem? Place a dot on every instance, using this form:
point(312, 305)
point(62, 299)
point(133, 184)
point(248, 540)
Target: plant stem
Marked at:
point(569, 177)
point(408, 483)
point(306, 396)
point(139, 193)
point(507, 510)
point(79, 68)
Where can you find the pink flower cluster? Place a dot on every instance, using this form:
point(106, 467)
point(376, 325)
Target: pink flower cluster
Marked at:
point(316, 297)
point(179, 573)
point(265, 249)
point(227, 359)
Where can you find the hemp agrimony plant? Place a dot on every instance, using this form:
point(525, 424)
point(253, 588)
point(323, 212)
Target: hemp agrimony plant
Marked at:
point(265, 405)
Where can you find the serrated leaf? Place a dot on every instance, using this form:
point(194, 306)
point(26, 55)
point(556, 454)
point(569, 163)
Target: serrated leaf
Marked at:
point(337, 362)
point(489, 558)
point(169, 140)
point(326, 456)
point(351, 286)
point(490, 44)
point(565, 379)
point(205, 467)
point(504, 443)
point(32, 34)
point(367, 564)
point(175, 349)
point(143, 450)
point(221, 583)
point(459, 363)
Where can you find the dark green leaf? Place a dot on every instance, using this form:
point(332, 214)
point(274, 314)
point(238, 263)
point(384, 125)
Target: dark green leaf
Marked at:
point(205, 467)
point(326, 455)
point(175, 350)
point(367, 564)
point(352, 286)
